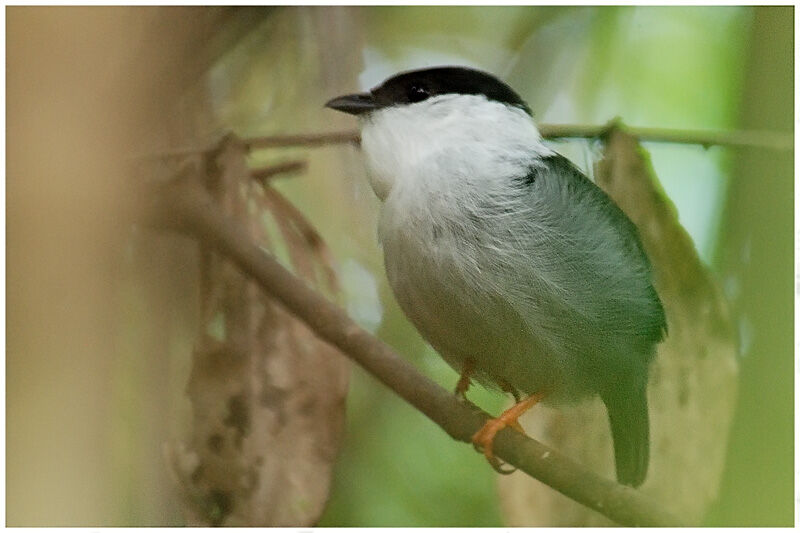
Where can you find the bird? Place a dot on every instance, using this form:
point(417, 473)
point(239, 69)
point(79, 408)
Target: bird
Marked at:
point(513, 265)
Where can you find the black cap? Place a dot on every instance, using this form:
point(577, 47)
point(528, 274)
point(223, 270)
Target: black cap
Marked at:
point(418, 85)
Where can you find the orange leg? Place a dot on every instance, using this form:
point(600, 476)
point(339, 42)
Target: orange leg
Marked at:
point(484, 438)
point(463, 382)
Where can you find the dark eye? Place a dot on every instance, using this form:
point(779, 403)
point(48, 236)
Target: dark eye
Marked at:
point(417, 93)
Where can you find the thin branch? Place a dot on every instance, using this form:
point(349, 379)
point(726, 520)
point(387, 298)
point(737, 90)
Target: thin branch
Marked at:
point(312, 139)
point(742, 138)
point(737, 138)
point(185, 206)
point(707, 138)
point(264, 174)
point(259, 143)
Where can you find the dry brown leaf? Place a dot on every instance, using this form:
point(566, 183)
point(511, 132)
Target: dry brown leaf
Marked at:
point(693, 380)
point(267, 395)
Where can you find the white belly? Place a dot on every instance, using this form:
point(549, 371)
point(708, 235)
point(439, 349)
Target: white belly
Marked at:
point(464, 321)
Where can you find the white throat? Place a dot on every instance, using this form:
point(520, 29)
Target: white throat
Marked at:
point(445, 142)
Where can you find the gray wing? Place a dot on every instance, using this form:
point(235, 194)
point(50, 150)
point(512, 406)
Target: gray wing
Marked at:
point(580, 278)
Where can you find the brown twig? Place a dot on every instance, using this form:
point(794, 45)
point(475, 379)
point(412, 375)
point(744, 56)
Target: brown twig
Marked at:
point(267, 141)
point(312, 139)
point(738, 138)
point(186, 206)
point(757, 139)
point(264, 174)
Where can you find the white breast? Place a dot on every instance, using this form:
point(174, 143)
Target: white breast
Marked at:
point(445, 142)
point(439, 165)
point(442, 159)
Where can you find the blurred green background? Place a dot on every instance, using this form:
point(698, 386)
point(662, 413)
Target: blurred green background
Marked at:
point(679, 67)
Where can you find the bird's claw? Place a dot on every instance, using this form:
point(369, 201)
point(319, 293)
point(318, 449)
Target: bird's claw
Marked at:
point(496, 464)
point(483, 442)
point(483, 439)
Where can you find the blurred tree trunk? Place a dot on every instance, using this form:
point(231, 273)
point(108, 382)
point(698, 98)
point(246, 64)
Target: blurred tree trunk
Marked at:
point(91, 377)
point(103, 317)
point(66, 136)
point(756, 259)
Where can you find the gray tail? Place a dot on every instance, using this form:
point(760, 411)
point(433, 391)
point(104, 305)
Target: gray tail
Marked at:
point(630, 429)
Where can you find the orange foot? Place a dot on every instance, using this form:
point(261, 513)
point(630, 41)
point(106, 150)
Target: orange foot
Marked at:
point(483, 440)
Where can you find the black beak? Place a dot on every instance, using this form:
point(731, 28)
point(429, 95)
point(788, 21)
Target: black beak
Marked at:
point(355, 104)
